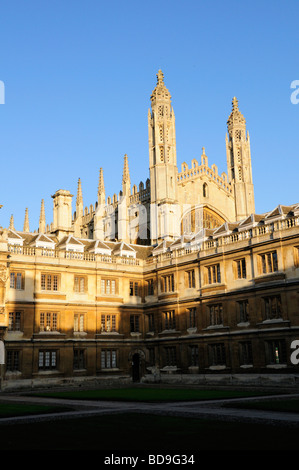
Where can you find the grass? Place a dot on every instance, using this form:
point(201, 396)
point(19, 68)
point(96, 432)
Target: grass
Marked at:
point(9, 410)
point(150, 394)
point(143, 432)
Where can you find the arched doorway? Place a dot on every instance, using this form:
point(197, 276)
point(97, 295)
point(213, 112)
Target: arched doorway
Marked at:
point(137, 360)
point(136, 367)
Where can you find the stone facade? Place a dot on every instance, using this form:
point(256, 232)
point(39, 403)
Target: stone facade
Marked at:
point(177, 280)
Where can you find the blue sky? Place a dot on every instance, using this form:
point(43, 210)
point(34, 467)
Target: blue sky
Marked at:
point(78, 77)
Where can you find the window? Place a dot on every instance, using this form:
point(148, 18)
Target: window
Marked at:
point(217, 354)
point(150, 287)
point(269, 263)
point(80, 284)
point(151, 356)
point(194, 355)
point(134, 288)
point(14, 321)
point(79, 322)
point(272, 306)
point(276, 352)
point(192, 317)
point(205, 190)
point(49, 282)
point(79, 359)
point(213, 274)
point(170, 356)
point(48, 321)
point(16, 280)
point(169, 320)
point(296, 256)
point(134, 323)
point(47, 360)
point(190, 279)
point(240, 268)
point(243, 311)
point(215, 314)
point(108, 323)
point(167, 283)
point(151, 322)
point(245, 352)
point(108, 359)
point(108, 286)
point(12, 360)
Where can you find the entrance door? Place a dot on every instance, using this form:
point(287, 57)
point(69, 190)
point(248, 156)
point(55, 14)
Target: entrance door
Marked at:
point(135, 367)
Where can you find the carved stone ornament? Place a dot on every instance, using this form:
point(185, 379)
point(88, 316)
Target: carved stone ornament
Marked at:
point(3, 273)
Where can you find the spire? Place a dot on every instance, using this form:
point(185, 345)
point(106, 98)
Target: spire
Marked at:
point(11, 223)
point(42, 218)
point(79, 200)
point(79, 193)
point(26, 222)
point(126, 174)
point(160, 93)
point(101, 188)
point(126, 183)
point(236, 118)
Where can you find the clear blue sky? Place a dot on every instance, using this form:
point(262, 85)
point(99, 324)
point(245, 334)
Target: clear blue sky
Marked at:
point(78, 77)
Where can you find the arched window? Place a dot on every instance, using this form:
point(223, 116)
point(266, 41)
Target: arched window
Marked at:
point(205, 190)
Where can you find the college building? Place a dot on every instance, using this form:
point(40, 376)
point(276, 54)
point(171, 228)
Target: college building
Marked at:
point(176, 280)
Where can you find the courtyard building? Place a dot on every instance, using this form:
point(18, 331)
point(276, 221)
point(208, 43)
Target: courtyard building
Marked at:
point(175, 280)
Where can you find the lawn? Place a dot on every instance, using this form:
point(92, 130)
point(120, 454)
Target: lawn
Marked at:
point(8, 410)
point(147, 433)
point(150, 394)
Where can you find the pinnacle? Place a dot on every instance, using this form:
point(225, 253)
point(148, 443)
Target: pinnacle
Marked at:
point(160, 77)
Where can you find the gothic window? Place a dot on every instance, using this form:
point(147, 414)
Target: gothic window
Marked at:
point(78, 322)
point(14, 321)
point(269, 262)
point(213, 274)
point(17, 280)
point(13, 360)
point(169, 320)
point(245, 352)
point(276, 352)
point(161, 133)
point(79, 359)
point(49, 282)
point(205, 190)
point(108, 359)
point(240, 173)
point(47, 360)
point(48, 321)
point(194, 355)
point(272, 307)
point(237, 134)
point(217, 354)
point(215, 314)
point(243, 311)
point(240, 268)
point(160, 111)
point(108, 323)
point(162, 154)
point(79, 284)
point(190, 278)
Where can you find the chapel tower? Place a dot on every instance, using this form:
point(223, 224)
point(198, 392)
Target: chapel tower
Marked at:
point(239, 163)
point(162, 165)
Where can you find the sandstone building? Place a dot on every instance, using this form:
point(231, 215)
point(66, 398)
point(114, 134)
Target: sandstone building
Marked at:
point(177, 279)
